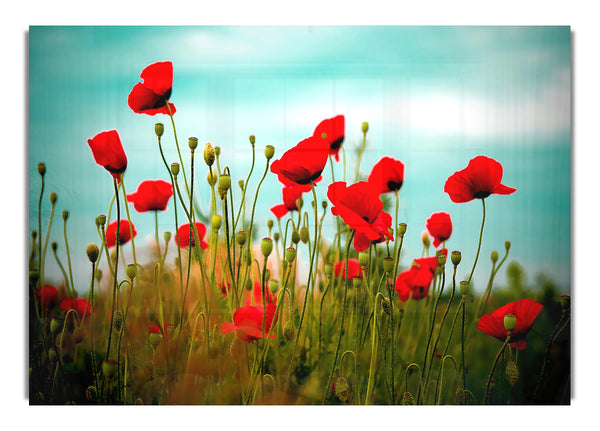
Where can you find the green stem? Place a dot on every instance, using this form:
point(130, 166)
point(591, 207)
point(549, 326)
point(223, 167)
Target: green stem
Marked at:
point(374, 345)
point(41, 261)
point(114, 298)
point(68, 257)
point(177, 145)
point(489, 381)
point(360, 153)
point(479, 245)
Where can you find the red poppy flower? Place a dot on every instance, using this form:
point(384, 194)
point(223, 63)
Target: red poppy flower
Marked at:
point(333, 129)
point(417, 279)
point(439, 226)
point(387, 175)
point(383, 223)
point(478, 180)
point(354, 269)
point(248, 321)
point(108, 152)
point(525, 310)
point(302, 163)
point(47, 295)
point(155, 329)
point(151, 195)
point(124, 233)
point(225, 288)
point(183, 236)
point(290, 196)
point(359, 207)
point(150, 97)
point(80, 305)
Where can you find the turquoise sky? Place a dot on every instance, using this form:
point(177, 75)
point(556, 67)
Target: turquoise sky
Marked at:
point(434, 97)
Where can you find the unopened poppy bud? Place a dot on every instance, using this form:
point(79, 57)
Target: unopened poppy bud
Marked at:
point(248, 257)
point(357, 282)
point(299, 203)
point(456, 257)
point(118, 321)
point(109, 368)
point(276, 236)
point(269, 152)
point(324, 204)
point(304, 234)
point(53, 198)
point(507, 245)
point(565, 302)
point(98, 275)
point(217, 151)
point(192, 143)
point(494, 256)
point(328, 269)
point(241, 237)
point(175, 168)
point(267, 274)
point(274, 286)
point(342, 389)
point(512, 372)
point(510, 321)
point(52, 355)
point(41, 169)
point(388, 264)
point(167, 236)
point(248, 284)
point(65, 215)
point(101, 220)
point(155, 339)
point(464, 288)
point(159, 129)
point(290, 254)
point(209, 154)
point(407, 399)
point(91, 393)
point(266, 246)
point(363, 258)
point(224, 182)
point(386, 306)
point(364, 127)
point(270, 224)
point(211, 178)
point(295, 237)
point(401, 229)
point(252, 139)
point(425, 238)
point(216, 221)
point(131, 271)
point(92, 251)
point(55, 325)
point(289, 330)
point(241, 184)
point(53, 245)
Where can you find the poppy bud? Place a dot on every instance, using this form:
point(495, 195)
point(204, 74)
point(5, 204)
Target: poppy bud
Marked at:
point(269, 152)
point(342, 389)
point(92, 252)
point(510, 321)
point(363, 258)
point(425, 238)
point(328, 269)
point(324, 204)
point(211, 178)
point(324, 135)
point(55, 325)
point(565, 302)
point(304, 234)
point(131, 271)
point(364, 127)
point(295, 237)
point(507, 245)
point(192, 143)
point(248, 284)
point(401, 229)
point(118, 321)
point(155, 339)
point(386, 306)
point(289, 330)
point(494, 256)
point(388, 264)
point(224, 182)
point(217, 151)
point(159, 129)
point(357, 282)
point(241, 184)
point(109, 368)
point(53, 245)
point(216, 221)
point(167, 236)
point(299, 203)
point(98, 275)
point(270, 224)
point(175, 168)
point(241, 237)
point(101, 220)
point(252, 139)
point(53, 198)
point(276, 236)
point(209, 154)
point(65, 215)
point(407, 399)
point(52, 355)
point(274, 286)
point(464, 288)
point(41, 169)
point(267, 274)
point(512, 372)
point(266, 246)
point(456, 257)
point(290, 254)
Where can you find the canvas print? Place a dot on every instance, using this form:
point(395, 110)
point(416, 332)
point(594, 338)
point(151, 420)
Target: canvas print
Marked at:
point(299, 215)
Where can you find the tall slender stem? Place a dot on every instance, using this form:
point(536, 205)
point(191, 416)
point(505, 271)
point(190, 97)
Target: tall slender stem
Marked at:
point(489, 381)
point(118, 241)
point(479, 245)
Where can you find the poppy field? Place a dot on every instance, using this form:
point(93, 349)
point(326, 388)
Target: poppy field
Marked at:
point(213, 313)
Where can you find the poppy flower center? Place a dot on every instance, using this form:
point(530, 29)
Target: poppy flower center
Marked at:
point(162, 100)
point(336, 144)
point(393, 185)
point(481, 194)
